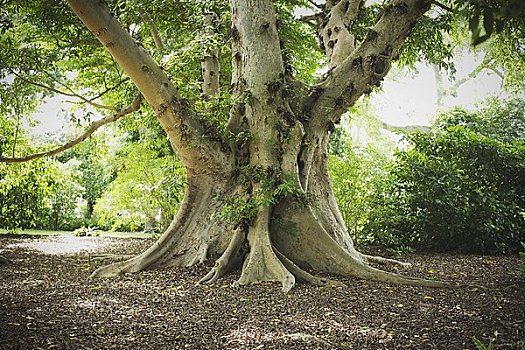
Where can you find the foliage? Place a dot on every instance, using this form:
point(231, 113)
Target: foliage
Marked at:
point(456, 189)
point(34, 194)
point(481, 346)
point(273, 186)
point(39, 194)
point(147, 190)
point(495, 27)
point(24, 189)
point(358, 154)
point(355, 174)
point(504, 122)
point(63, 210)
point(486, 17)
point(429, 43)
point(90, 171)
point(507, 50)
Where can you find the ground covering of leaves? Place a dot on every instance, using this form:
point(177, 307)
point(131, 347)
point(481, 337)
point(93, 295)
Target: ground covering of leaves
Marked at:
point(48, 302)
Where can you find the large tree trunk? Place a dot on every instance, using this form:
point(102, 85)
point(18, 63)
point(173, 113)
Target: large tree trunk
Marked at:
point(265, 205)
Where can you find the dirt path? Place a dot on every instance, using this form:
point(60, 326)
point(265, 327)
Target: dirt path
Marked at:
point(47, 302)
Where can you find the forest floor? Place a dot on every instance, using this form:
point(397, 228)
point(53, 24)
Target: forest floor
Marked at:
point(47, 301)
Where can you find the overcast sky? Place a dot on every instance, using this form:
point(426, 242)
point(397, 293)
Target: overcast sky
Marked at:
point(412, 99)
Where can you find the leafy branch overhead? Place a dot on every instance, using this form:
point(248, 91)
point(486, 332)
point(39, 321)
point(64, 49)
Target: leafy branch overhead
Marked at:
point(486, 18)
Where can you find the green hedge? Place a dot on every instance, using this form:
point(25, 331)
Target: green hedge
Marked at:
point(461, 188)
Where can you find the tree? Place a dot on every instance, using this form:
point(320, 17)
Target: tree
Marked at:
point(87, 162)
point(25, 189)
point(24, 192)
point(258, 192)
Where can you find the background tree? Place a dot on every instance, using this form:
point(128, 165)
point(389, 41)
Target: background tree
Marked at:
point(254, 145)
point(359, 153)
point(24, 193)
point(90, 171)
point(148, 187)
point(61, 209)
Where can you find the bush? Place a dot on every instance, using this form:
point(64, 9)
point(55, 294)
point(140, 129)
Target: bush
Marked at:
point(24, 190)
point(454, 190)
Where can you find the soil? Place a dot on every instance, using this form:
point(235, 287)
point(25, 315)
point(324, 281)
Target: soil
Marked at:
point(47, 301)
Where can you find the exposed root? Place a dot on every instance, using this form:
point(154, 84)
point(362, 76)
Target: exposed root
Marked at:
point(305, 276)
point(188, 238)
point(384, 261)
point(200, 255)
point(373, 274)
point(111, 257)
point(261, 263)
point(117, 268)
point(310, 246)
point(227, 260)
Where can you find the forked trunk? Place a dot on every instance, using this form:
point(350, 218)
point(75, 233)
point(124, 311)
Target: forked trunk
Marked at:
point(263, 203)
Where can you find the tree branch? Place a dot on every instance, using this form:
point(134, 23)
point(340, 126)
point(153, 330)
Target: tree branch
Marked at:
point(210, 62)
point(199, 151)
point(452, 89)
point(497, 72)
point(367, 65)
point(69, 94)
point(153, 30)
point(314, 4)
point(443, 6)
point(337, 42)
point(310, 19)
point(109, 89)
point(134, 106)
point(404, 129)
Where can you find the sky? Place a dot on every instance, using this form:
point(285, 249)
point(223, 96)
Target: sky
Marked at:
point(411, 99)
point(51, 117)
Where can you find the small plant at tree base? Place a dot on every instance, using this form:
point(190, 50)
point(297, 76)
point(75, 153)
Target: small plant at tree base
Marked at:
point(86, 232)
point(481, 346)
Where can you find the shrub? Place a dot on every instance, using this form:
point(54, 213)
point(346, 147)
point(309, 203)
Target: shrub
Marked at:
point(454, 190)
point(24, 191)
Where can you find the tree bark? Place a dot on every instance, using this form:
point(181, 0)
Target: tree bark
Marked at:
point(210, 61)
